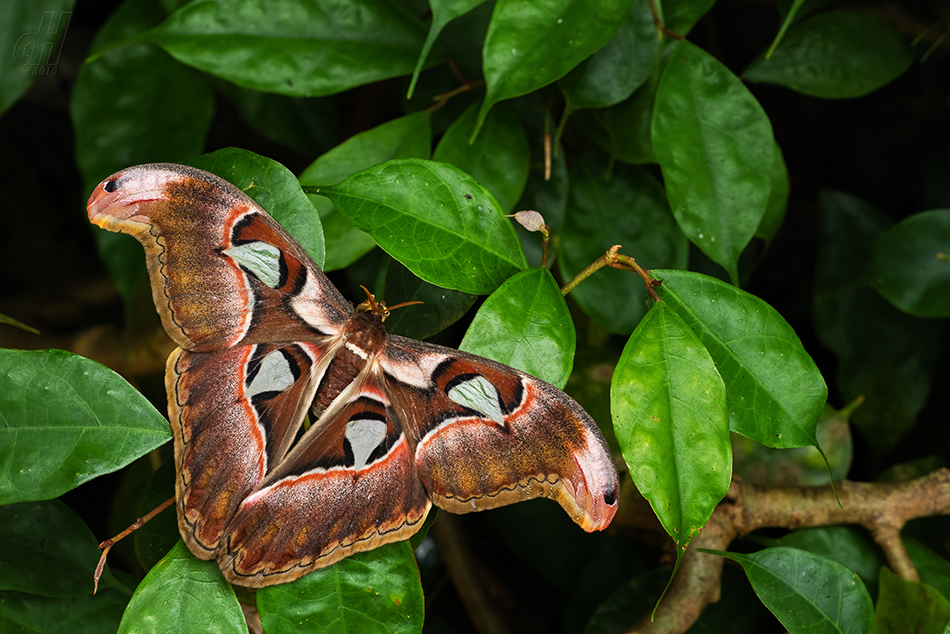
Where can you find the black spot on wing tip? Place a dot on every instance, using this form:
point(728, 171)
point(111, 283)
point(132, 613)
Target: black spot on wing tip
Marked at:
point(111, 186)
point(610, 497)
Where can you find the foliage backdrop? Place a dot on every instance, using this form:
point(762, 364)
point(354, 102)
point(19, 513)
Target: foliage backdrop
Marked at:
point(790, 192)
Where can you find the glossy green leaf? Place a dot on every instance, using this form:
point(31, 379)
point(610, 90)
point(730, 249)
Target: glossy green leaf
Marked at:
point(48, 551)
point(435, 219)
point(440, 308)
point(668, 406)
point(850, 546)
point(530, 45)
point(165, 107)
point(293, 47)
point(624, 130)
point(376, 591)
point(933, 569)
point(498, 158)
point(908, 607)
point(775, 392)
point(273, 187)
point(911, 266)
point(835, 55)
point(716, 149)
point(65, 420)
point(630, 210)
point(183, 594)
point(443, 12)
point(526, 324)
point(405, 137)
point(799, 466)
point(90, 614)
point(806, 592)
point(890, 358)
point(681, 15)
point(610, 75)
point(31, 34)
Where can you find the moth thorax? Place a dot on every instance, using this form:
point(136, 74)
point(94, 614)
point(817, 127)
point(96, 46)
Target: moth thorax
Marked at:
point(365, 331)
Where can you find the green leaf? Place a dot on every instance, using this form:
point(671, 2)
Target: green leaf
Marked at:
point(680, 15)
point(775, 392)
point(48, 551)
point(293, 47)
point(134, 105)
point(376, 591)
point(800, 466)
point(526, 324)
point(65, 420)
point(933, 569)
point(905, 607)
point(184, 594)
point(273, 187)
point(498, 159)
point(716, 149)
point(835, 55)
point(435, 219)
point(90, 614)
point(441, 306)
point(806, 592)
point(530, 45)
point(624, 130)
point(911, 266)
point(32, 35)
point(668, 405)
point(443, 12)
point(405, 137)
point(631, 210)
point(610, 75)
point(889, 359)
point(850, 546)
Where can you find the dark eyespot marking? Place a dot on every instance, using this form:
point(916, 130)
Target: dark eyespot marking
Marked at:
point(610, 497)
point(111, 186)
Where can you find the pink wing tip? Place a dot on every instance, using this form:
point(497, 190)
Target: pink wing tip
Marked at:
point(117, 198)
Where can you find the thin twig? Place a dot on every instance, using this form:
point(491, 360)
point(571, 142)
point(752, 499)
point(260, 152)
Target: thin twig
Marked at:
point(441, 100)
point(614, 260)
point(660, 27)
point(107, 545)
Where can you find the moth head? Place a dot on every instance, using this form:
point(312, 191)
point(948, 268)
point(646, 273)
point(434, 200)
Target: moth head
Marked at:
point(370, 305)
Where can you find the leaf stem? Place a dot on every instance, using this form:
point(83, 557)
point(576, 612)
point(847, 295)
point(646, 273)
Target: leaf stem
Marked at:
point(614, 260)
point(441, 100)
point(107, 545)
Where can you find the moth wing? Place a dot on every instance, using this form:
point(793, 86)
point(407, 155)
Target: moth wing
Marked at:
point(349, 485)
point(234, 414)
point(487, 435)
point(222, 271)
